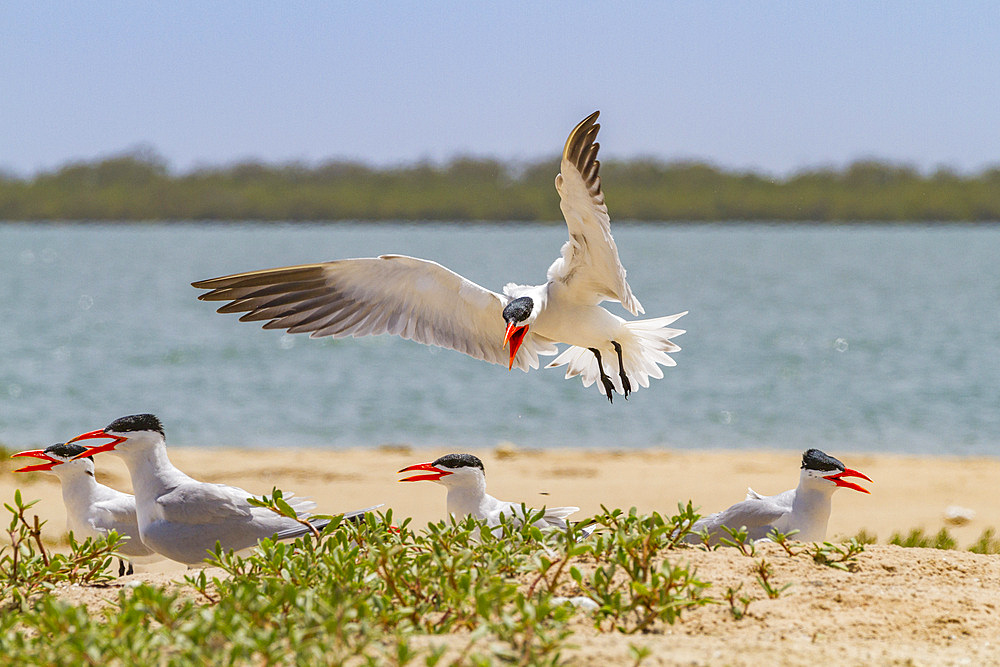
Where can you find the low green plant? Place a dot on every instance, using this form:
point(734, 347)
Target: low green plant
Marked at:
point(784, 540)
point(368, 592)
point(864, 537)
point(740, 539)
point(276, 503)
point(28, 568)
point(382, 583)
point(638, 654)
point(838, 556)
point(764, 573)
point(988, 543)
point(738, 604)
point(917, 538)
point(634, 584)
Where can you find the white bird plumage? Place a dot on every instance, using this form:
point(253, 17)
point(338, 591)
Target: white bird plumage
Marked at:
point(92, 509)
point(465, 478)
point(805, 509)
point(421, 300)
point(181, 517)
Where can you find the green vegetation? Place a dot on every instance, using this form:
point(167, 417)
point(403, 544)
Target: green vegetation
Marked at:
point(632, 582)
point(988, 542)
point(27, 568)
point(367, 593)
point(139, 186)
point(917, 538)
point(838, 556)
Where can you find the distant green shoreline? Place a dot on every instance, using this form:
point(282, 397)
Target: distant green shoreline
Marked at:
point(139, 187)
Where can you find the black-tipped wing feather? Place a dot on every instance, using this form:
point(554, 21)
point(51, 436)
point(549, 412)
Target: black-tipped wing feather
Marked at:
point(589, 266)
point(413, 298)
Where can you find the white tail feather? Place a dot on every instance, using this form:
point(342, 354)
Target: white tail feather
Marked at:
point(560, 512)
point(644, 350)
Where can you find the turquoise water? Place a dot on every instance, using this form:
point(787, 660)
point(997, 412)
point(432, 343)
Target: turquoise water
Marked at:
point(848, 339)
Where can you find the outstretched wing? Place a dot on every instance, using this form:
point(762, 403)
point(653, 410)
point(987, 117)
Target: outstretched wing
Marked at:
point(589, 266)
point(413, 298)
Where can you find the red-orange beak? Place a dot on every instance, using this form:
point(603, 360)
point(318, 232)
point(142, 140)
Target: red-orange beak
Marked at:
point(514, 337)
point(837, 479)
point(38, 467)
point(435, 476)
point(106, 447)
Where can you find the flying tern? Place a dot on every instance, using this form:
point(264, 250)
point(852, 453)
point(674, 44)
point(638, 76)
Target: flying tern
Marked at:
point(423, 301)
point(92, 509)
point(805, 508)
point(465, 478)
point(181, 517)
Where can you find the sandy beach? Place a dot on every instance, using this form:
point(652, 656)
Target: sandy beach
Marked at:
point(901, 606)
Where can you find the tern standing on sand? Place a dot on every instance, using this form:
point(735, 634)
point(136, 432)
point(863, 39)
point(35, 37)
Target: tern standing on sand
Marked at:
point(423, 301)
point(92, 509)
point(465, 478)
point(181, 517)
point(805, 508)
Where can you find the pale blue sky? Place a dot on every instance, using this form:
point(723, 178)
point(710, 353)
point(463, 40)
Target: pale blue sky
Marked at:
point(776, 86)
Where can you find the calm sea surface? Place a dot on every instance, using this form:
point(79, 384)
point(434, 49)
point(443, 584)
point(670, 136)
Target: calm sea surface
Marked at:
point(848, 339)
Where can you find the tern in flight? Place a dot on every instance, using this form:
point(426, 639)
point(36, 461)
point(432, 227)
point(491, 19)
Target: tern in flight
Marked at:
point(181, 517)
point(92, 509)
point(805, 508)
point(465, 478)
point(423, 301)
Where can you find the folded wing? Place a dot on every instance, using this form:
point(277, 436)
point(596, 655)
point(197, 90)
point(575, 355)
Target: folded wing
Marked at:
point(205, 504)
point(756, 515)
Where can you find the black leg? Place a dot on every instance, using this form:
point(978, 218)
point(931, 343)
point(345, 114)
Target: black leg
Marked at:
point(130, 570)
point(609, 388)
point(121, 568)
point(626, 385)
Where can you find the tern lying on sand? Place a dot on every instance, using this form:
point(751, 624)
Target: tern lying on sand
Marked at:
point(805, 508)
point(465, 478)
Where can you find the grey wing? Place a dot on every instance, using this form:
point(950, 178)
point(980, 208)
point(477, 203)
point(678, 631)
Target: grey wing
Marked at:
point(204, 504)
point(408, 297)
point(755, 515)
point(589, 265)
point(118, 514)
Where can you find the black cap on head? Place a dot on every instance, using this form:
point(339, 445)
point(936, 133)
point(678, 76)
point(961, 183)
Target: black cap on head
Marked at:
point(814, 459)
point(65, 451)
point(518, 310)
point(133, 423)
point(460, 461)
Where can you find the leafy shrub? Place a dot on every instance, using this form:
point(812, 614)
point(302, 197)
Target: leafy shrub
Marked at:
point(917, 538)
point(27, 568)
point(369, 593)
point(633, 583)
point(988, 543)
